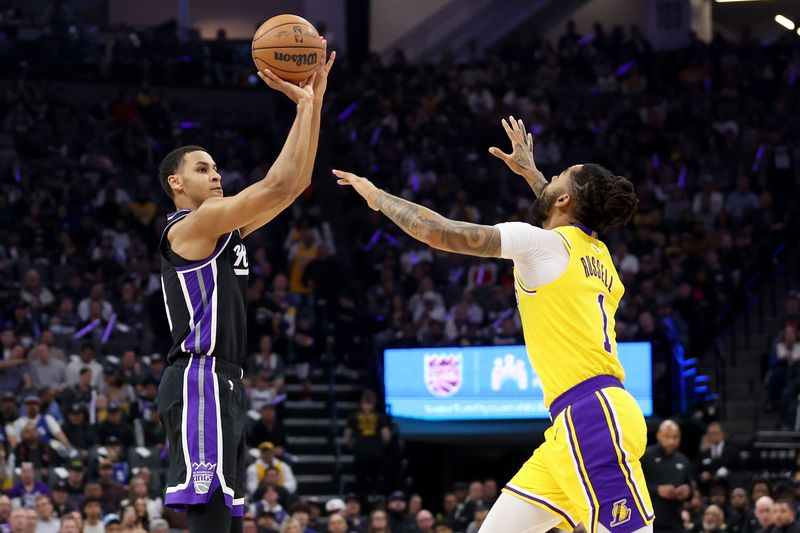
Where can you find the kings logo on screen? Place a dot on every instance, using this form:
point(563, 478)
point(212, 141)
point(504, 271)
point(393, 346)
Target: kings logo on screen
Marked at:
point(444, 373)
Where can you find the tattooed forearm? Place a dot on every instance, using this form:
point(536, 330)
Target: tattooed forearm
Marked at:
point(536, 180)
point(439, 232)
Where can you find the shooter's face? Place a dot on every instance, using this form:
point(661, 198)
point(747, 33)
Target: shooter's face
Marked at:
point(197, 178)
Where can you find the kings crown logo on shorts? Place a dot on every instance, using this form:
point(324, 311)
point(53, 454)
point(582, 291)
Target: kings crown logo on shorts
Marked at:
point(443, 374)
point(202, 475)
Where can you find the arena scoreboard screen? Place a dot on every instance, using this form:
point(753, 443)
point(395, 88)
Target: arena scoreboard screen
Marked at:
point(487, 382)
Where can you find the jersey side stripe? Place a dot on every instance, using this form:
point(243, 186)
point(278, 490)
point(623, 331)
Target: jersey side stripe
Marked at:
point(214, 308)
point(166, 303)
point(189, 306)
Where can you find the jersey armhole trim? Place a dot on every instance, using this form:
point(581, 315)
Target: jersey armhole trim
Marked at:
point(564, 238)
point(203, 262)
point(522, 285)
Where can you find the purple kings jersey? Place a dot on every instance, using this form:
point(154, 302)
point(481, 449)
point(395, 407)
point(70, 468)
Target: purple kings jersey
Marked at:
point(205, 300)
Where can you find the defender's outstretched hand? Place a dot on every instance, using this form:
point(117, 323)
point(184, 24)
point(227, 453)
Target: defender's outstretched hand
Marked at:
point(294, 92)
point(363, 186)
point(520, 160)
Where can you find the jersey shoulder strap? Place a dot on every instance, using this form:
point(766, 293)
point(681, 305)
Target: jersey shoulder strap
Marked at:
point(172, 219)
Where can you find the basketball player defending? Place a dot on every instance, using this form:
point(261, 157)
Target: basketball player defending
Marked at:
point(568, 290)
point(204, 269)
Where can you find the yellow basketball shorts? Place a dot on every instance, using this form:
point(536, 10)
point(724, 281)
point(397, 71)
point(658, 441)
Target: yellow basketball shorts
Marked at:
point(588, 468)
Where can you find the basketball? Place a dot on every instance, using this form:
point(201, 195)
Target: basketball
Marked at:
point(289, 46)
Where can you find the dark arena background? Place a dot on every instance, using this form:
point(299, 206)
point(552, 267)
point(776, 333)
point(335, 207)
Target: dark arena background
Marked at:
point(695, 101)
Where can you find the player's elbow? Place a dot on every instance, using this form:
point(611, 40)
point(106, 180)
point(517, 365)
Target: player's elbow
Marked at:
point(279, 186)
point(282, 179)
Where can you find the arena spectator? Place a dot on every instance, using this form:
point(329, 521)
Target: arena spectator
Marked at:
point(146, 424)
point(27, 489)
point(337, 524)
point(45, 370)
point(741, 519)
point(268, 428)
point(718, 457)
point(32, 450)
point(60, 500)
point(47, 427)
point(763, 512)
point(378, 522)
point(425, 521)
point(490, 491)
point(713, 520)
point(267, 360)
point(256, 472)
point(449, 506)
point(367, 433)
point(93, 511)
point(115, 425)
point(46, 520)
point(269, 504)
point(70, 524)
point(352, 512)
point(138, 491)
point(400, 521)
point(112, 491)
point(480, 514)
point(15, 376)
point(75, 485)
point(300, 514)
point(159, 525)
point(86, 359)
point(465, 513)
point(784, 518)
point(669, 477)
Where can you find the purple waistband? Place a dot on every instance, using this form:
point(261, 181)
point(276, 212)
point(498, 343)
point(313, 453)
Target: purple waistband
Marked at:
point(223, 367)
point(584, 388)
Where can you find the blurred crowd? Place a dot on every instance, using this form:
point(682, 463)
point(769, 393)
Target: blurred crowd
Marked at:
point(782, 377)
point(708, 133)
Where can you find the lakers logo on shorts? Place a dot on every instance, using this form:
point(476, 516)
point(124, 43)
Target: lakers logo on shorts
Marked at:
point(620, 513)
point(202, 476)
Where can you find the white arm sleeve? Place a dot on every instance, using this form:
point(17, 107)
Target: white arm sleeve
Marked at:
point(539, 255)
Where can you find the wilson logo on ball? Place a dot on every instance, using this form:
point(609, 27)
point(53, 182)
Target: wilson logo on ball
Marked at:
point(298, 59)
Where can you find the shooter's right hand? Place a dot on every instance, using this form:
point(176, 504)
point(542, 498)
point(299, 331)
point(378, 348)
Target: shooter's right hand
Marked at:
point(297, 94)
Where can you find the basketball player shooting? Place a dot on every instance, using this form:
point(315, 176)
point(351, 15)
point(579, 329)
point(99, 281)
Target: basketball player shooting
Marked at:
point(204, 269)
point(588, 469)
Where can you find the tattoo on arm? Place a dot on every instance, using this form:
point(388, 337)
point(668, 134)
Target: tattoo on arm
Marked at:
point(537, 182)
point(439, 232)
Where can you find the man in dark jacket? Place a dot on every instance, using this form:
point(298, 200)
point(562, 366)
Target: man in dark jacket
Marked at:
point(669, 478)
point(80, 433)
point(784, 519)
point(742, 519)
point(717, 460)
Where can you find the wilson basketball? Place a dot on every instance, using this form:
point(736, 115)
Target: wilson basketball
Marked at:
point(289, 46)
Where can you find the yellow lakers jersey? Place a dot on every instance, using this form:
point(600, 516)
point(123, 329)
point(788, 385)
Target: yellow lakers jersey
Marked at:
point(569, 323)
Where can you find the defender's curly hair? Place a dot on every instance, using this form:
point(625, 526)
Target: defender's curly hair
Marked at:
point(602, 200)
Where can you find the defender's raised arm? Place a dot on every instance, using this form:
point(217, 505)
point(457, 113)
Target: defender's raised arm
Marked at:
point(425, 225)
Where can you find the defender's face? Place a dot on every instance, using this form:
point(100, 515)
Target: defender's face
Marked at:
point(197, 177)
point(559, 188)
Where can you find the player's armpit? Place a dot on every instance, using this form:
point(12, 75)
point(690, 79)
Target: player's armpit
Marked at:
point(439, 232)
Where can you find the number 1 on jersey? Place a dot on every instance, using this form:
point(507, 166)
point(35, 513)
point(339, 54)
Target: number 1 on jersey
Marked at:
point(606, 343)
